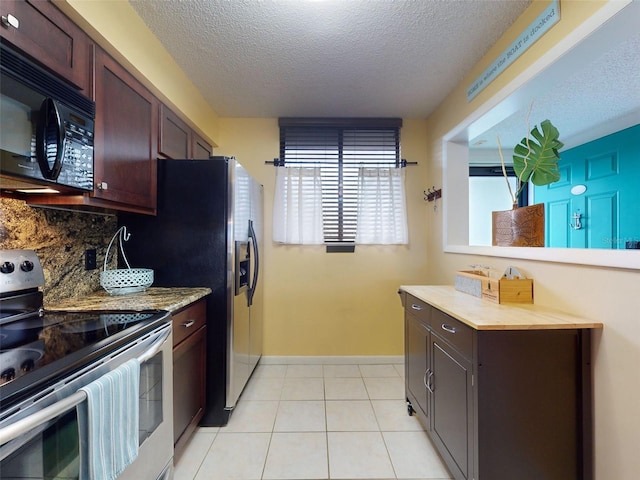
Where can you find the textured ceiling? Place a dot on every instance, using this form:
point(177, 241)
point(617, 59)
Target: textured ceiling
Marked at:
point(341, 58)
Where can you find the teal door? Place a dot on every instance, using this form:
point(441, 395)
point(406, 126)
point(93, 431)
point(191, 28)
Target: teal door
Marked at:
point(609, 168)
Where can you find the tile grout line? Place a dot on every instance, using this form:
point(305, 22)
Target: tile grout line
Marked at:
point(325, 402)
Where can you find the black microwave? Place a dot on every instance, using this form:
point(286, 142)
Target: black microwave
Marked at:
point(46, 129)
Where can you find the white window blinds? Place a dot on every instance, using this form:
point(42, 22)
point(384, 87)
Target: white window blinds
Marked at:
point(346, 155)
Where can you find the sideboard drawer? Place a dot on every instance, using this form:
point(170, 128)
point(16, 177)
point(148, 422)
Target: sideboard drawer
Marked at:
point(418, 308)
point(456, 333)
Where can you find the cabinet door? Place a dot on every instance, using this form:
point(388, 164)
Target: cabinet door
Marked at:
point(200, 148)
point(417, 366)
point(452, 407)
point(189, 360)
point(178, 140)
point(47, 35)
point(126, 137)
point(175, 135)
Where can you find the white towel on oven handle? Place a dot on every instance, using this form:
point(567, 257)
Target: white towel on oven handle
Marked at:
point(108, 423)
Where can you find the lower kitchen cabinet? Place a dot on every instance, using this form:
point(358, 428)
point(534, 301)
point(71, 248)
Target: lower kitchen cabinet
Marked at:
point(189, 360)
point(452, 401)
point(417, 366)
point(500, 404)
point(439, 383)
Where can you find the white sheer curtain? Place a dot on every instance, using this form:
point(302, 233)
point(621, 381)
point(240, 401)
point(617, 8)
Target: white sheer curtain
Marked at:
point(297, 206)
point(382, 209)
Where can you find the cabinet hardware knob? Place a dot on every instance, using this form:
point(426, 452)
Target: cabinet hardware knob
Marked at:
point(188, 323)
point(448, 328)
point(103, 186)
point(416, 307)
point(10, 21)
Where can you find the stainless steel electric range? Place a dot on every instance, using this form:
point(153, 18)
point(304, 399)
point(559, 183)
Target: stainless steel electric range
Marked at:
point(46, 356)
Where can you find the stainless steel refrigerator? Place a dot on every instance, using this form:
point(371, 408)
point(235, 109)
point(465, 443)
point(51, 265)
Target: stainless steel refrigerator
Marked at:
point(208, 233)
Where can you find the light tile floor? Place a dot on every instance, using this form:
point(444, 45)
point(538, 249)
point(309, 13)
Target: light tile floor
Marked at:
point(316, 422)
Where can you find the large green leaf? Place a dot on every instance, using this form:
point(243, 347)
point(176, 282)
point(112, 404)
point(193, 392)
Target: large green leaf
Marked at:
point(536, 158)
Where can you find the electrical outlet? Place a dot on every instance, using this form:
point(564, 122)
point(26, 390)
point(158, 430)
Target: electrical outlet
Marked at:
point(90, 261)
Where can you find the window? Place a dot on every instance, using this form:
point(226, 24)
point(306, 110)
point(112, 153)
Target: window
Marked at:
point(354, 164)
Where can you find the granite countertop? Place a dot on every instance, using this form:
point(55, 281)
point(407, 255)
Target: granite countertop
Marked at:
point(154, 298)
point(483, 315)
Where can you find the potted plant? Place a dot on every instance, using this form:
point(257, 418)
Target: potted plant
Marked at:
point(535, 159)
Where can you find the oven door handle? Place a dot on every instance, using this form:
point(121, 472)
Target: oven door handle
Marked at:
point(24, 425)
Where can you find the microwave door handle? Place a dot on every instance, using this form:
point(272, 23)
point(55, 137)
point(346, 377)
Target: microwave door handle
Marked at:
point(254, 276)
point(50, 115)
point(24, 425)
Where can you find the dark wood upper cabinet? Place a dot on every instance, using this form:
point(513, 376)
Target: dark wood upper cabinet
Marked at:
point(178, 140)
point(132, 127)
point(200, 148)
point(175, 135)
point(126, 137)
point(46, 34)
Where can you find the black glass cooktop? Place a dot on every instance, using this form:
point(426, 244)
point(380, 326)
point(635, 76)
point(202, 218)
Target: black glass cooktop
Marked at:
point(41, 349)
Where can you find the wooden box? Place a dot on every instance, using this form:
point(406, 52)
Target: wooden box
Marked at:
point(495, 290)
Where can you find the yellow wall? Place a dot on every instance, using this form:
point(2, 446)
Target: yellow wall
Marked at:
point(339, 303)
point(118, 29)
point(601, 294)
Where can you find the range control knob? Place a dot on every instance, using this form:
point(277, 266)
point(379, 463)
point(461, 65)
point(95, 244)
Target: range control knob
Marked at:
point(26, 266)
point(7, 267)
point(27, 365)
point(8, 375)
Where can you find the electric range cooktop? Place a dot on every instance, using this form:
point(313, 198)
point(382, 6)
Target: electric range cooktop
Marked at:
point(39, 350)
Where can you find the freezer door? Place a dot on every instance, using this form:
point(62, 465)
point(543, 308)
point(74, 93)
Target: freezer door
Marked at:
point(245, 342)
point(239, 346)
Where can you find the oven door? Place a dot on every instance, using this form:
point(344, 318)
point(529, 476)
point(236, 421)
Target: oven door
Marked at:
point(40, 438)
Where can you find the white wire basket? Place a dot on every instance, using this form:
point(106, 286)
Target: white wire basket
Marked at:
point(125, 280)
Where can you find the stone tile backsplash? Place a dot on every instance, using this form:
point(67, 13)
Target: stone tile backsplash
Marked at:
point(60, 239)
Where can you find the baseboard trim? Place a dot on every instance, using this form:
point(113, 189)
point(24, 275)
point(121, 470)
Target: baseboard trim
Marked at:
point(332, 360)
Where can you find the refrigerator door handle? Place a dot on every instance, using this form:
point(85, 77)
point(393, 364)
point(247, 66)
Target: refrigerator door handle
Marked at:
point(254, 276)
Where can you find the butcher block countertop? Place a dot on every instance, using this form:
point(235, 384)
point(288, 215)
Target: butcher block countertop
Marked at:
point(484, 315)
point(154, 298)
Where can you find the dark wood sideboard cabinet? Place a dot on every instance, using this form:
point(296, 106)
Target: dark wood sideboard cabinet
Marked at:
point(500, 404)
point(189, 363)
